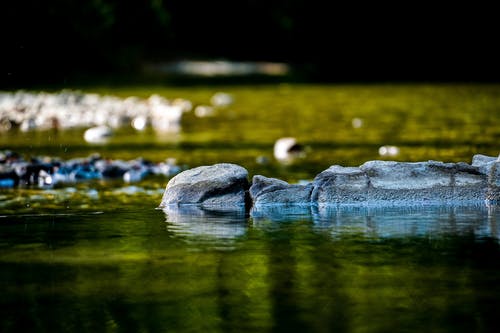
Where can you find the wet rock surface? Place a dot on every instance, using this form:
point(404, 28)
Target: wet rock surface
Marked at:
point(493, 193)
point(272, 191)
point(373, 183)
point(339, 184)
point(219, 184)
point(47, 172)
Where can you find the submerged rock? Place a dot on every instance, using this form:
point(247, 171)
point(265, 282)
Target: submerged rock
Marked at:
point(220, 184)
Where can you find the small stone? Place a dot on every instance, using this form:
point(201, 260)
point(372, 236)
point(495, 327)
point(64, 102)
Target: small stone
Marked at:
point(483, 163)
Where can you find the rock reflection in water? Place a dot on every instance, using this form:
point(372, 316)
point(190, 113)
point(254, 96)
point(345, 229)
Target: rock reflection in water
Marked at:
point(281, 213)
point(393, 222)
point(194, 222)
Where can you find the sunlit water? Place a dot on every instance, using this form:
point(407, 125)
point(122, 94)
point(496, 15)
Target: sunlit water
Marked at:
point(98, 256)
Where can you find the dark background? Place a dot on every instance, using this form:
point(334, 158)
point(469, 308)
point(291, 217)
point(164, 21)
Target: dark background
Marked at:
point(61, 42)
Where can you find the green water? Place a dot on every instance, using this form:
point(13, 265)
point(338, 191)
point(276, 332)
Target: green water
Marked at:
point(143, 271)
point(98, 256)
point(441, 122)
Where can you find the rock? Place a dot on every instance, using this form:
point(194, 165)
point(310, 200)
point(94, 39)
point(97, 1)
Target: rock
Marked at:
point(388, 151)
point(480, 160)
point(375, 183)
point(266, 191)
point(493, 192)
point(221, 99)
point(339, 184)
point(469, 183)
point(483, 162)
point(287, 149)
point(399, 182)
point(220, 184)
point(411, 176)
point(423, 181)
point(45, 171)
point(98, 134)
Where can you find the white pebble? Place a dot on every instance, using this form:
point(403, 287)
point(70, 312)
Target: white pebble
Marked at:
point(97, 134)
point(221, 99)
point(357, 122)
point(388, 151)
point(202, 111)
point(139, 123)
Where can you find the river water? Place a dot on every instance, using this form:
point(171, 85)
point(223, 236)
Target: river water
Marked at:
point(98, 256)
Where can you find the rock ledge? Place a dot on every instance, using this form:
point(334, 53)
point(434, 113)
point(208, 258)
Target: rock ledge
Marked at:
point(374, 182)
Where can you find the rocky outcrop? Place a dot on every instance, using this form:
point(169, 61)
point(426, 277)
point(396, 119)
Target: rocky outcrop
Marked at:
point(271, 190)
point(423, 181)
point(216, 185)
point(373, 183)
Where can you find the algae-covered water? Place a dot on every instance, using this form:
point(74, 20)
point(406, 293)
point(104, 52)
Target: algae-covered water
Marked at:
point(97, 256)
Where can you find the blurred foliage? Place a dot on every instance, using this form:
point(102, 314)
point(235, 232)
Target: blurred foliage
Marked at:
point(57, 40)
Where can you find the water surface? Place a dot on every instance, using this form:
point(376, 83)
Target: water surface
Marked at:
point(433, 269)
point(97, 256)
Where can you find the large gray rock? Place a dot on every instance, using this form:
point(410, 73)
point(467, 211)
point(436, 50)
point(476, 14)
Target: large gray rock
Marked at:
point(265, 191)
point(384, 183)
point(216, 185)
point(424, 181)
point(339, 184)
point(399, 183)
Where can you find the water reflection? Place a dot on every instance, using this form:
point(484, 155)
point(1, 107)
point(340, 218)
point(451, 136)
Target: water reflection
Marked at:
point(200, 223)
point(280, 213)
point(383, 222)
point(383, 270)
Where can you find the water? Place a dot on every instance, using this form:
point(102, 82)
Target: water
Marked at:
point(431, 268)
point(441, 122)
point(97, 256)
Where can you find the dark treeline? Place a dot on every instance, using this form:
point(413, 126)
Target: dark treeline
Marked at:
point(59, 40)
